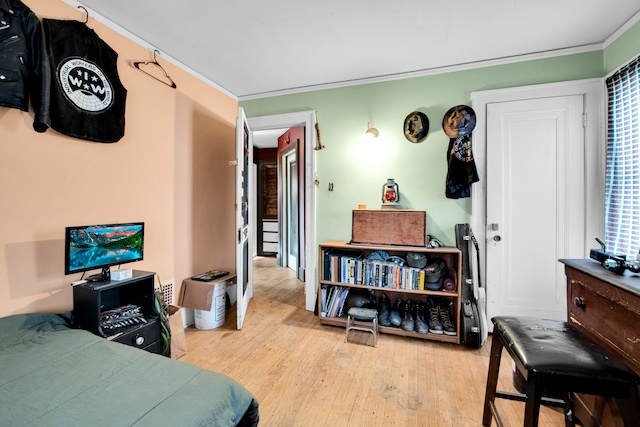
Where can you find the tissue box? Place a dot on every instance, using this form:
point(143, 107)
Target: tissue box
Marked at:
point(121, 274)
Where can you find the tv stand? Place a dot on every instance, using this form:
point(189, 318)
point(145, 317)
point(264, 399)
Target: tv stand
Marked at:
point(133, 298)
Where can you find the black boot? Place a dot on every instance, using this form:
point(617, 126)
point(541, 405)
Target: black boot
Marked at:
point(420, 318)
point(383, 310)
point(407, 323)
point(435, 327)
point(445, 317)
point(394, 315)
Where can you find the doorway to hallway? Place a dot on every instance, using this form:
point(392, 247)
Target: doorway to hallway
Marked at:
point(306, 174)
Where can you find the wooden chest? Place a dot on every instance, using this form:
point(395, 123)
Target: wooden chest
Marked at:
point(606, 307)
point(389, 227)
point(599, 302)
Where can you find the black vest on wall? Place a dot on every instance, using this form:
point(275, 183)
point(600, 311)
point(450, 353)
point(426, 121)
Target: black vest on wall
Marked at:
point(87, 98)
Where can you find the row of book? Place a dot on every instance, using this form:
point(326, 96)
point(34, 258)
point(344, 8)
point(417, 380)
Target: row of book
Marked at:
point(334, 300)
point(352, 268)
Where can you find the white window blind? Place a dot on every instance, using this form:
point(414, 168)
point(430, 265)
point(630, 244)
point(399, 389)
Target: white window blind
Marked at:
point(622, 180)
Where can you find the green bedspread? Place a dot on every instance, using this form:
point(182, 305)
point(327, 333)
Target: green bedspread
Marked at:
point(53, 375)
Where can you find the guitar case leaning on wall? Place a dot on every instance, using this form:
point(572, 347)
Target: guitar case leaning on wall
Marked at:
point(473, 331)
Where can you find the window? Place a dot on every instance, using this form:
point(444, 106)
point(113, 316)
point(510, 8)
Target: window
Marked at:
point(622, 180)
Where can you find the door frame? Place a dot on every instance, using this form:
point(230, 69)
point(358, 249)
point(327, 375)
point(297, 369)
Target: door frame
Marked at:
point(594, 154)
point(308, 120)
point(284, 248)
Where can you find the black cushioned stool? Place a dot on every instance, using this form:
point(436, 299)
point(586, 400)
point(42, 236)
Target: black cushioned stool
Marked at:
point(552, 356)
point(359, 314)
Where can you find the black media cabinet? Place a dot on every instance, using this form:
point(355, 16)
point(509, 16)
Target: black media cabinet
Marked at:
point(91, 299)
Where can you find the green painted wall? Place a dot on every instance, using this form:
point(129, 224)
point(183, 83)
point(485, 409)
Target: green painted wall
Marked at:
point(358, 169)
point(626, 47)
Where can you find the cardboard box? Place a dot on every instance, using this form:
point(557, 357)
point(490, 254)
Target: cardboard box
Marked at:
point(199, 295)
point(389, 227)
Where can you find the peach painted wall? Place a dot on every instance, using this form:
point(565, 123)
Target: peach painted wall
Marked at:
point(168, 171)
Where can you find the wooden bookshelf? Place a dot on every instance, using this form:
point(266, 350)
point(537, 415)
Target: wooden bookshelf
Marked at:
point(399, 289)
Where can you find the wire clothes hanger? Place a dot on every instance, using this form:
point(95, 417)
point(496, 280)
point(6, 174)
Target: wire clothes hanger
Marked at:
point(86, 13)
point(155, 62)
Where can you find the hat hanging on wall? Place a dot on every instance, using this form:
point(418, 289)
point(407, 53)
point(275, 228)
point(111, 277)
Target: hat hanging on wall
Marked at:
point(459, 121)
point(416, 127)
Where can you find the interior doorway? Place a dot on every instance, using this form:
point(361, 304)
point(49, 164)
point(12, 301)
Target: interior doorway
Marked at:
point(307, 120)
point(266, 219)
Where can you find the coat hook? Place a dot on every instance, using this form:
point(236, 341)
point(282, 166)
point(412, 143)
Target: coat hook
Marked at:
point(86, 14)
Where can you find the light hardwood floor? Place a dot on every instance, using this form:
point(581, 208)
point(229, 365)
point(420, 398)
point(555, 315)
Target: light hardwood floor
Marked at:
point(304, 374)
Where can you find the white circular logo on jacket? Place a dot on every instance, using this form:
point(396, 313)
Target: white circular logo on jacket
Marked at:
point(85, 85)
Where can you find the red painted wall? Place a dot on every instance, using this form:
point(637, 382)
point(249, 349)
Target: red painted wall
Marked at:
point(267, 154)
point(290, 136)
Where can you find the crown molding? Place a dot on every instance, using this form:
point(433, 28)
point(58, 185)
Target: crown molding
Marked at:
point(613, 37)
point(429, 71)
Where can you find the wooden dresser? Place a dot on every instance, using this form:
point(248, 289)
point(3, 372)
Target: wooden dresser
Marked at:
point(605, 306)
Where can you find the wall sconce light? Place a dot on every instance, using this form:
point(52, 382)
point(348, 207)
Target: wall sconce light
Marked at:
point(371, 132)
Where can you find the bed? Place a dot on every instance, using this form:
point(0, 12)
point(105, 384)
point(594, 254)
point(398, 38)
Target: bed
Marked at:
point(54, 375)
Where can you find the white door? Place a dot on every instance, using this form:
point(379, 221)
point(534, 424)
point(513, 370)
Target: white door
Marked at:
point(288, 206)
point(535, 203)
point(244, 266)
point(291, 203)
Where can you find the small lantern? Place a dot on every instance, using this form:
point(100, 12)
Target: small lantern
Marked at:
point(390, 195)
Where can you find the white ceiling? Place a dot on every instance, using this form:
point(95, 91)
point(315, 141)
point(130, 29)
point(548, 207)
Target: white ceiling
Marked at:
point(267, 138)
point(257, 48)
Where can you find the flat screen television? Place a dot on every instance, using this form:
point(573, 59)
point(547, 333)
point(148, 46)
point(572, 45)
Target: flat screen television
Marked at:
point(92, 247)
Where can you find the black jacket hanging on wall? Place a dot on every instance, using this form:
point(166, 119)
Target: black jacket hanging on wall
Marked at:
point(87, 98)
point(24, 68)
